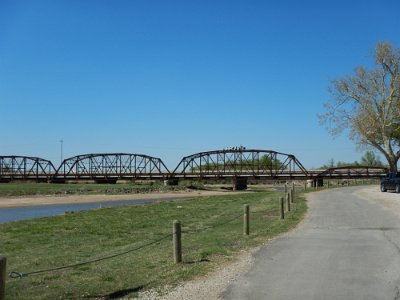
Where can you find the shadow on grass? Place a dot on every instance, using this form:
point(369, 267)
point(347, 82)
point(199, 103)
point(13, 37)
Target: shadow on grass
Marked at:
point(125, 292)
point(191, 262)
point(118, 294)
point(197, 188)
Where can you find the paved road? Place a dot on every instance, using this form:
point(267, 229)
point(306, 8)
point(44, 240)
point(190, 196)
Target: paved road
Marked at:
point(348, 248)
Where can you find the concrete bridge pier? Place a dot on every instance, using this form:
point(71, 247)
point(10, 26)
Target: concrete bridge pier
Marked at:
point(239, 183)
point(317, 182)
point(171, 182)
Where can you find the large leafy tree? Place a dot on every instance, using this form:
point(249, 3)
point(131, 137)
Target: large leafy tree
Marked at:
point(368, 103)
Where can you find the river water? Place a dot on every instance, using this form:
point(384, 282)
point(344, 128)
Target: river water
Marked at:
point(31, 212)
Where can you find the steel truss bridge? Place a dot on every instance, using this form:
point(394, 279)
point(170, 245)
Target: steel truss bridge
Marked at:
point(213, 165)
point(25, 168)
point(240, 163)
point(111, 167)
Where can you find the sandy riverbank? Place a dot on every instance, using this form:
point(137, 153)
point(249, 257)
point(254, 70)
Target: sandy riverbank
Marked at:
point(22, 201)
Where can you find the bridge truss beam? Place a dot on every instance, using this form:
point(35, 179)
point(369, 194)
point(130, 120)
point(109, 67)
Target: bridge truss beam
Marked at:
point(25, 168)
point(111, 166)
point(351, 172)
point(240, 163)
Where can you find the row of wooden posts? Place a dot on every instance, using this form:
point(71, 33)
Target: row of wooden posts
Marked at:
point(177, 232)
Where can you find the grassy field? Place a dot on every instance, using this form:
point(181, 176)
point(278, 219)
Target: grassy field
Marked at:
point(212, 235)
point(25, 189)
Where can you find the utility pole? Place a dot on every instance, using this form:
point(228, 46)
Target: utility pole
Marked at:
point(61, 142)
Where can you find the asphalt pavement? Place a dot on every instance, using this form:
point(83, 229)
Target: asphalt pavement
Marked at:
point(347, 248)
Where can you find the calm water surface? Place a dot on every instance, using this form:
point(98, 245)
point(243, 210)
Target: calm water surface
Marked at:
point(31, 212)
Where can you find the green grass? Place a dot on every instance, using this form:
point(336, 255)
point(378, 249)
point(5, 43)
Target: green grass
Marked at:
point(210, 240)
point(25, 189)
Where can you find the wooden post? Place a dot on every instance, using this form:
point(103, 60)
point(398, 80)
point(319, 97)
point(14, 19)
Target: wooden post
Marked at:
point(3, 262)
point(282, 204)
point(305, 185)
point(293, 191)
point(177, 240)
point(288, 200)
point(285, 188)
point(292, 196)
point(246, 220)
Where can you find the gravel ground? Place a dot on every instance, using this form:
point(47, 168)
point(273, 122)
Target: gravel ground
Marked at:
point(388, 200)
point(212, 286)
point(209, 287)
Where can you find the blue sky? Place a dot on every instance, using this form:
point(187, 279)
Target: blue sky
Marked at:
point(171, 78)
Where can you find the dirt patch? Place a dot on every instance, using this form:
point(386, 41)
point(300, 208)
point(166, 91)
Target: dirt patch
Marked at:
point(74, 199)
point(209, 287)
point(388, 200)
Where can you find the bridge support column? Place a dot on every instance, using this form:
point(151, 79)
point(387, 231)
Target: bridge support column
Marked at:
point(239, 183)
point(171, 182)
point(318, 182)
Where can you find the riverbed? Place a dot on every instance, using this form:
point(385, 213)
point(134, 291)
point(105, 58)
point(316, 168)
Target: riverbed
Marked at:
point(11, 214)
point(29, 207)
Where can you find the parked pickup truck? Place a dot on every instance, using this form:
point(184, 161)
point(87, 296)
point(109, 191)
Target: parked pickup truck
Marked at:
point(391, 182)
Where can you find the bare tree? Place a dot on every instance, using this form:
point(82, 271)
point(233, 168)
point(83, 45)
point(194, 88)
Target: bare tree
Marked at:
point(368, 103)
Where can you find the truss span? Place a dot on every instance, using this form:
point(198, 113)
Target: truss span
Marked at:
point(25, 168)
point(240, 163)
point(111, 167)
point(353, 172)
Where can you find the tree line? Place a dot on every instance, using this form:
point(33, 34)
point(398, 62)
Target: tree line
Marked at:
point(368, 159)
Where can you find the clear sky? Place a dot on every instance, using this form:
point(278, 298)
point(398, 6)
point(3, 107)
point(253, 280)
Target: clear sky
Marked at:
point(172, 78)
